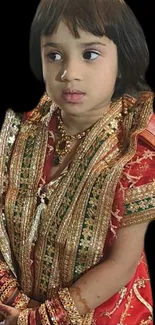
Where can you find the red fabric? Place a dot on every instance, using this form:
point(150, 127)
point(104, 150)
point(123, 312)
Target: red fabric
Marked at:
point(135, 313)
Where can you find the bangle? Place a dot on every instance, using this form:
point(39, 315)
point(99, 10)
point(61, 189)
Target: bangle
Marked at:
point(57, 313)
point(23, 318)
point(32, 317)
point(69, 305)
point(62, 314)
point(51, 312)
point(21, 301)
point(7, 283)
point(43, 315)
point(8, 291)
point(11, 296)
point(3, 273)
point(4, 279)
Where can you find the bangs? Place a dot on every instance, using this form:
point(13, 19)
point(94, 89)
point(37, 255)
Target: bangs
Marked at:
point(95, 17)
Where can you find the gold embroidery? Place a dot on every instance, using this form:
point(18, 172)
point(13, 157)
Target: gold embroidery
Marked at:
point(126, 313)
point(122, 293)
point(138, 283)
point(141, 205)
point(8, 134)
point(141, 283)
point(146, 322)
point(140, 217)
point(58, 196)
point(140, 193)
point(25, 171)
point(88, 319)
point(146, 155)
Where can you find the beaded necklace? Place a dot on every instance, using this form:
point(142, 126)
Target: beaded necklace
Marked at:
point(64, 143)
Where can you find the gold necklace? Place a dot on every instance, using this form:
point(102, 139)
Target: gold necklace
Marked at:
point(63, 145)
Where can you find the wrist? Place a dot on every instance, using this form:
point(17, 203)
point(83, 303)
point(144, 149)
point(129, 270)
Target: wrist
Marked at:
point(59, 310)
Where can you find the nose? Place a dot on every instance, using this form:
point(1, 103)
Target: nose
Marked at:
point(71, 71)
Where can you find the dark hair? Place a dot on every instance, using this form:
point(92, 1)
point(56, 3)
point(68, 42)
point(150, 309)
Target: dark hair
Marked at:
point(112, 18)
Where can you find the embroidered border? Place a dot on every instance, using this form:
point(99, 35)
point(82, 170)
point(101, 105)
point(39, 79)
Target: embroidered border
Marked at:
point(141, 217)
point(140, 193)
point(9, 130)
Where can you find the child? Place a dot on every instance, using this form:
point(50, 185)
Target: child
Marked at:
point(77, 173)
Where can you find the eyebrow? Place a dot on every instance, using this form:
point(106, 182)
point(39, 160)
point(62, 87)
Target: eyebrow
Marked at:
point(52, 44)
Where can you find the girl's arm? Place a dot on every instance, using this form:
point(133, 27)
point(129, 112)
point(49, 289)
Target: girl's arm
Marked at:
point(106, 279)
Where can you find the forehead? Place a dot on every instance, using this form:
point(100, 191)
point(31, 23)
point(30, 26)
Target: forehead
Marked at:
point(63, 34)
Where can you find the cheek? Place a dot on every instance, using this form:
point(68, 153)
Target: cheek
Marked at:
point(110, 74)
point(47, 70)
point(48, 76)
point(105, 78)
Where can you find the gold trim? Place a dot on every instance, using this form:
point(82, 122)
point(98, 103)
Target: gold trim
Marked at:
point(128, 305)
point(25, 173)
point(60, 196)
point(146, 322)
point(140, 192)
point(8, 134)
point(140, 298)
point(122, 294)
point(140, 217)
point(88, 319)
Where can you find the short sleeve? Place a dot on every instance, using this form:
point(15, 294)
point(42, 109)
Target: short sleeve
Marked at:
point(139, 205)
point(138, 184)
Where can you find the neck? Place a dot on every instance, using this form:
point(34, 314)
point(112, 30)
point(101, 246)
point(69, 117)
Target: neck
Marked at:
point(78, 123)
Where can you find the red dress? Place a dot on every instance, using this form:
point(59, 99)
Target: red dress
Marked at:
point(134, 196)
point(133, 304)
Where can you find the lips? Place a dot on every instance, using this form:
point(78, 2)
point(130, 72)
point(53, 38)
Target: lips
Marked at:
point(72, 91)
point(73, 96)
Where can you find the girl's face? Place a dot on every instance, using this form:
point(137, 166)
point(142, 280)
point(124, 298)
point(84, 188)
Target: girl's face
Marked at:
point(88, 65)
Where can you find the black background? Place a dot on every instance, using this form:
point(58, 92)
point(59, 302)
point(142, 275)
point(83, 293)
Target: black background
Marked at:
point(21, 91)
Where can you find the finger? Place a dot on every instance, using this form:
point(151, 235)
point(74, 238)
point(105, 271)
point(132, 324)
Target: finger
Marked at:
point(4, 310)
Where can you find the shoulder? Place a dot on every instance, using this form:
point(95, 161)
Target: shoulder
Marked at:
point(10, 128)
point(40, 110)
point(137, 183)
point(138, 186)
point(148, 135)
point(141, 168)
point(11, 123)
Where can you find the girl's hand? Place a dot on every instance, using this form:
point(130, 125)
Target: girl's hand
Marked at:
point(4, 309)
point(10, 314)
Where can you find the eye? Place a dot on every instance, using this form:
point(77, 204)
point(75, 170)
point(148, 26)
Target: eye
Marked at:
point(91, 55)
point(54, 56)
